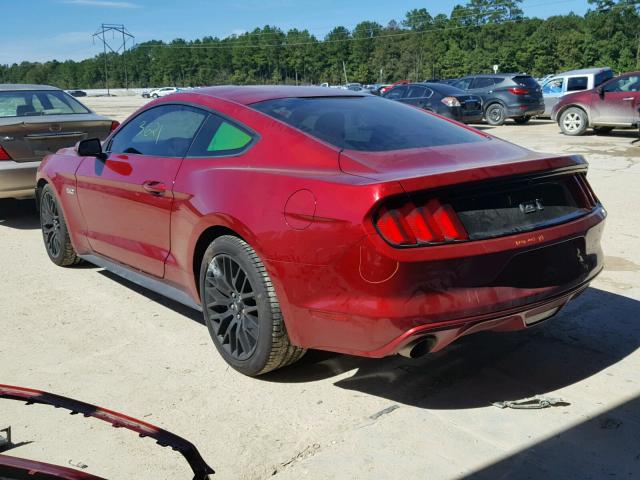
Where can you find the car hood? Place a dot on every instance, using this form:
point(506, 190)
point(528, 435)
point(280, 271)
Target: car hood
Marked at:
point(435, 167)
point(164, 438)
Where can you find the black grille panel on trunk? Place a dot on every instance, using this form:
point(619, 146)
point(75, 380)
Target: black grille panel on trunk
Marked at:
point(516, 206)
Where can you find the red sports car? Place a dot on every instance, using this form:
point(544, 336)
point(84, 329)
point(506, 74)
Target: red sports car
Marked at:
point(298, 217)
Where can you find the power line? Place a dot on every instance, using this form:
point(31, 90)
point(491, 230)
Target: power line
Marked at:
point(101, 35)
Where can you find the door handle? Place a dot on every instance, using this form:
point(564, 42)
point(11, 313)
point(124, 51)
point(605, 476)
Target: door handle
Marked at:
point(627, 99)
point(154, 187)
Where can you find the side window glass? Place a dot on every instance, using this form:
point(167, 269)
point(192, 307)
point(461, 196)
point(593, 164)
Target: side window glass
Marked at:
point(165, 131)
point(624, 84)
point(463, 84)
point(482, 82)
point(396, 93)
point(575, 84)
point(219, 138)
point(553, 86)
point(415, 92)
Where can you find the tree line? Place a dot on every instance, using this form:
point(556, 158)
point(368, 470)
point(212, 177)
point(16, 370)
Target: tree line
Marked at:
point(471, 39)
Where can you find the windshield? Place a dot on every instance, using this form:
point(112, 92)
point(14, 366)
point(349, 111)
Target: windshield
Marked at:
point(366, 123)
point(27, 103)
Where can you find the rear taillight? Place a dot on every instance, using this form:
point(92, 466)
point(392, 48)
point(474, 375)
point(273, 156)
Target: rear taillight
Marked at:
point(427, 223)
point(3, 154)
point(518, 91)
point(451, 101)
point(114, 125)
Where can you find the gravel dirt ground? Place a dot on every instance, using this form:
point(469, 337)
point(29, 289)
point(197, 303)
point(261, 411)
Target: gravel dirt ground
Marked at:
point(84, 333)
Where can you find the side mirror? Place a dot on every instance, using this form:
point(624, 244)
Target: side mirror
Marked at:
point(91, 147)
point(600, 91)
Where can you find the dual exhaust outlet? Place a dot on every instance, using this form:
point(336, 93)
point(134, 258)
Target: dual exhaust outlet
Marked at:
point(418, 347)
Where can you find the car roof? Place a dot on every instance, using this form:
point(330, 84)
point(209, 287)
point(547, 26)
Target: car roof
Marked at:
point(23, 86)
point(251, 94)
point(583, 71)
point(498, 75)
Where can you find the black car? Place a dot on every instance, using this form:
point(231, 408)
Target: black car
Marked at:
point(77, 93)
point(505, 95)
point(440, 98)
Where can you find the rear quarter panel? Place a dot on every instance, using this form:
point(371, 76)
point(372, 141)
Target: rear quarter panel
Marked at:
point(279, 196)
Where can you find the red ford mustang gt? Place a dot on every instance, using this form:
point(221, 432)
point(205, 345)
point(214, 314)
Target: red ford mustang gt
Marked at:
point(298, 218)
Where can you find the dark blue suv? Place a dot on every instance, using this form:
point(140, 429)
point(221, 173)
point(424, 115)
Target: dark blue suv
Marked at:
point(505, 95)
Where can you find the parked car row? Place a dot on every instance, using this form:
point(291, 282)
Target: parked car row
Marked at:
point(576, 100)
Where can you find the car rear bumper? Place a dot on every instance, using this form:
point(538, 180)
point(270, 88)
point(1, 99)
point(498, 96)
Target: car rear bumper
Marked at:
point(464, 116)
point(371, 305)
point(17, 179)
point(532, 110)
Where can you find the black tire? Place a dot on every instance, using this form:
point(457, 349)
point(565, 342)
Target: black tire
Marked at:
point(495, 114)
point(521, 120)
point(54, 230)
point(573, 121)
point(241, 309)
point(155, 95)
point(602, 130)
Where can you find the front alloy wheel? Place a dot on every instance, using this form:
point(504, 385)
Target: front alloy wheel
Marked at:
point(573, 122)
point(54, 230)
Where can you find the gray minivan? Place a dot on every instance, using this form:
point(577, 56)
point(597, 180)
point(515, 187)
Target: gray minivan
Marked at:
point(572, 81)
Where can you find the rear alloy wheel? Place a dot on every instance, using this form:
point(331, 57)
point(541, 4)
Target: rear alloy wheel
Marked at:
point(241, 309)
point(495, 114)
point(573, 121)
point(521, 120)
point(54, 230)
point(602, 130)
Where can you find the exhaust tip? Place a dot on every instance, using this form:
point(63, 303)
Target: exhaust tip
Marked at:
point(418, 348)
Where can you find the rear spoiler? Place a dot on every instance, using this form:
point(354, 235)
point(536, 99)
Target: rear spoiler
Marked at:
point(162, 437)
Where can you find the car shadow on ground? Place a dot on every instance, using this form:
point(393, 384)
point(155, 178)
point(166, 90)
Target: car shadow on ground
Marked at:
point(156, 297)
point(594, 332)
point(605, 446)
point(19, 214)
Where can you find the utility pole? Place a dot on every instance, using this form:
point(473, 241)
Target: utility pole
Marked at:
point(101, 35)
point(344, 70)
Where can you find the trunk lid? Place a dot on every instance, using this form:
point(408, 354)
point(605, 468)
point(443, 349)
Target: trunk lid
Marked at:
point(30, 138)
point(435, 167)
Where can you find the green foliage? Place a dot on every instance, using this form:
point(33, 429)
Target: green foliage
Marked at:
point(473, 38)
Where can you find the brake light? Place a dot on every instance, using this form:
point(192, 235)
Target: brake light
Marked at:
point(451, 101)
point(426, 223)
point(518, 91)
point(4, 155)
point(114, 125)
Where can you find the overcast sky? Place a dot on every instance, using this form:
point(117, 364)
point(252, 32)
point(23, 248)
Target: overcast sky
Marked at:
point(39, 30)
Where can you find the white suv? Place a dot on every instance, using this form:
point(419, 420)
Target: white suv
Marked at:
point(161, 92)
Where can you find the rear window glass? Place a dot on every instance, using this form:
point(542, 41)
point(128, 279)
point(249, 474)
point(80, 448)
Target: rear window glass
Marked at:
point(366, 123)
point(218, 137)
point(526, 81)
point(29, 103)
point(577, 83)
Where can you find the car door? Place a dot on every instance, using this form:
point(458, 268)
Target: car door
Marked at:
point(126, 199)
point(619, 101)
point(552, 90)
point(483, 87)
